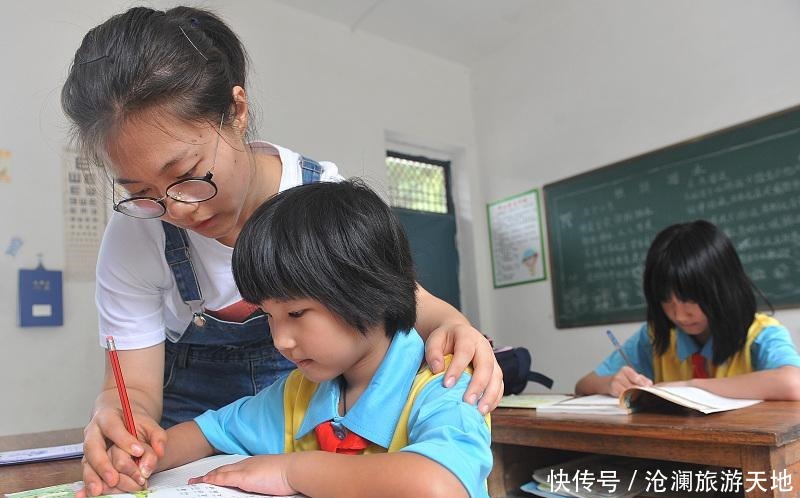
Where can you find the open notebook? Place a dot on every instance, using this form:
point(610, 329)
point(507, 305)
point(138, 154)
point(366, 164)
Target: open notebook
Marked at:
point(650, 399)
point(167, 484)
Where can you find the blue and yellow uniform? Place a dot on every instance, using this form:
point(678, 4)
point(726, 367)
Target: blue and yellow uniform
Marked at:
point(404, 408)
point(769, 345)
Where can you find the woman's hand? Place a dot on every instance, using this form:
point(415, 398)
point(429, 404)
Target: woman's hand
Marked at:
point(265, 474)
point(447, 331)
point(467, 345)
point(110, 467)
point(108, 447)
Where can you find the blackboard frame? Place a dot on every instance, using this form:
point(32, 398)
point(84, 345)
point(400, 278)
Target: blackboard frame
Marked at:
point(723, 140)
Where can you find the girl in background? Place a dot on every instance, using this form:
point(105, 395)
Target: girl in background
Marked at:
point(702, 327)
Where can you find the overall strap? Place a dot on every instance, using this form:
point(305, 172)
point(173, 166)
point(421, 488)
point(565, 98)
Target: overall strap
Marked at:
point(176, 252)
point(312, 171)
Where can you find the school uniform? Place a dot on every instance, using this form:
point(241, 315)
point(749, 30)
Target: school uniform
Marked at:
point(403, 409)
point(768, 345)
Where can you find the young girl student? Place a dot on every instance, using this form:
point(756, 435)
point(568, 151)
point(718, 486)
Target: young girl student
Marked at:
point(159, 102)
point(702, 328)
point(331, 267)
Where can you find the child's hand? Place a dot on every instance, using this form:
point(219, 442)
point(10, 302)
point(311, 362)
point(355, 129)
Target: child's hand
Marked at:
point(111, 468)
point(625, 378)
point(265, 474)
point(129, 477)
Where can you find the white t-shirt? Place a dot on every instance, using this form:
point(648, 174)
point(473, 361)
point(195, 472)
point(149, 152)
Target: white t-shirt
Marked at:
point(135, 293)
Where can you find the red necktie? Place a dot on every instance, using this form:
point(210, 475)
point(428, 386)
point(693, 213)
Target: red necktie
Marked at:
point(351, 444)
point(699, 366)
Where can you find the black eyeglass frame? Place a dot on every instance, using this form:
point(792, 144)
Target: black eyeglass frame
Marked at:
point(207, 178)
point(160, 202)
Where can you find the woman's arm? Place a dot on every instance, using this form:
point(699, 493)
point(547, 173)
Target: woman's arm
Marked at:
point(144, 376)
point(779, 384)
point(447, 331)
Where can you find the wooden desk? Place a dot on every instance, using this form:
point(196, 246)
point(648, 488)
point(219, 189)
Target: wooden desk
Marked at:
point(21, 477)
point(763, 437)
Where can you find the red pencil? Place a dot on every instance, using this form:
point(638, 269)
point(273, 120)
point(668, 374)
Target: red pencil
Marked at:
point(123, 393)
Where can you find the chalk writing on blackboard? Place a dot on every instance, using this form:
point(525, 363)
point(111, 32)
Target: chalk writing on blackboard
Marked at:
point(600, 224)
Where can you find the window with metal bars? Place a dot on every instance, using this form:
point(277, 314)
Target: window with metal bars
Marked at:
point(419, 183)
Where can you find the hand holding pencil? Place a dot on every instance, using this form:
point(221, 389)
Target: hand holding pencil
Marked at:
point(117, 456)
point(627, 376)
point(619, 349)
point(127, 413)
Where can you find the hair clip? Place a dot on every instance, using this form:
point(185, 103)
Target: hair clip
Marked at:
point(195, 46)
point(194, 22)
point(93, 60)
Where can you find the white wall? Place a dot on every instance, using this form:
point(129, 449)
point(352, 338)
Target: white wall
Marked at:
point(594, 82)
point(323, 90)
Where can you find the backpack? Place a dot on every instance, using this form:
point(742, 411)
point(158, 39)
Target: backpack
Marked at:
point(516, 366)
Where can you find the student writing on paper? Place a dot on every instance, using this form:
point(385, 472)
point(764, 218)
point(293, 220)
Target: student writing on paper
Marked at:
point(159, 104)
point(702, 328)
point(331, 267)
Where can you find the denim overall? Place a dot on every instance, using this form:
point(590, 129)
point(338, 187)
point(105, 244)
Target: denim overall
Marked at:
point(214, 362)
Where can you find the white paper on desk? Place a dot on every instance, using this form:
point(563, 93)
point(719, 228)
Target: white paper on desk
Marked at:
point(167, 484)
point(593, 400)
point(196, 491)
point(172, 483)
point(595, 404)
point(179, 476)
point(41, 454)
point(531, 400)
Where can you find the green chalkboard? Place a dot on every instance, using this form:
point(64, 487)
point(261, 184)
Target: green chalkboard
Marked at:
point(746, 179)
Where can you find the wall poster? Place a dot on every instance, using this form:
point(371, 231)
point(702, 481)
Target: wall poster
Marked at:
point(515, 236)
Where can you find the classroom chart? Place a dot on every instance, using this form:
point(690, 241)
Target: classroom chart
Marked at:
point(515, 237)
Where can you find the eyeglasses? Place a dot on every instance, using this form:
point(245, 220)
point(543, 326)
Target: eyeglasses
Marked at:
point(187, 190)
